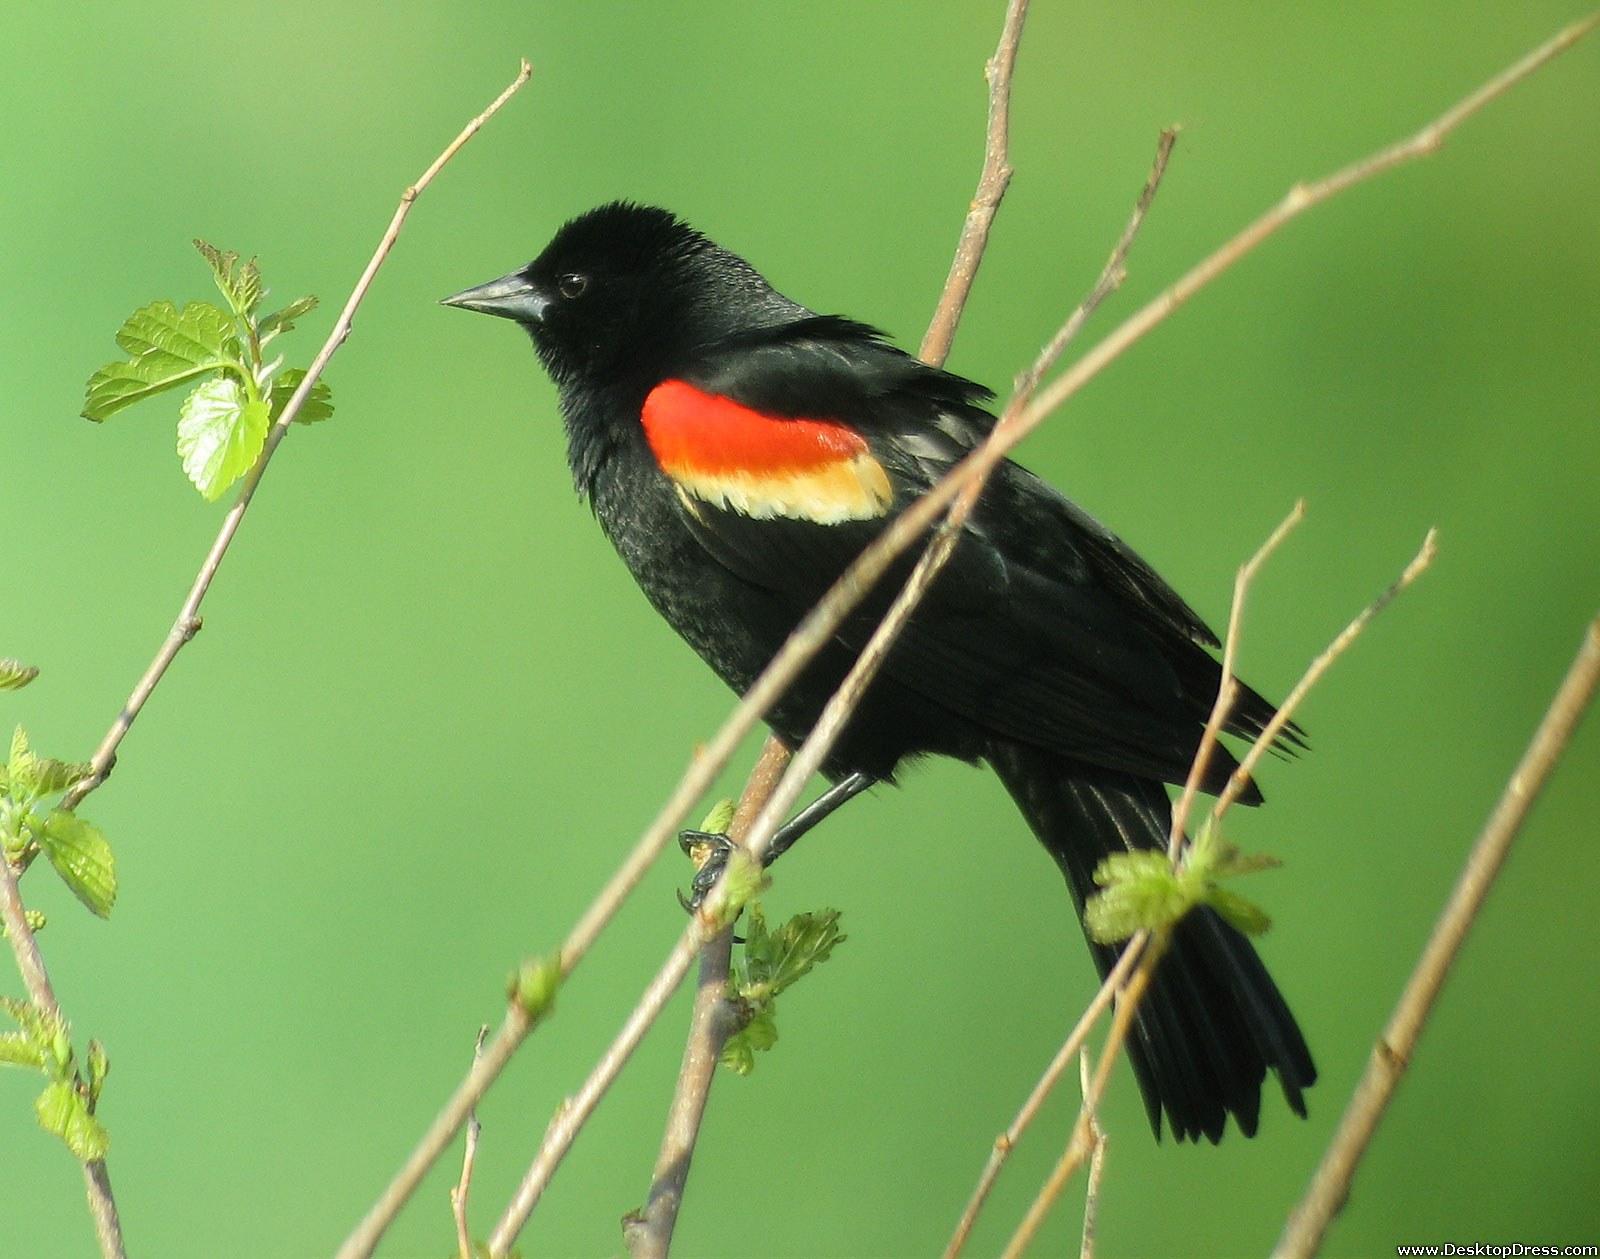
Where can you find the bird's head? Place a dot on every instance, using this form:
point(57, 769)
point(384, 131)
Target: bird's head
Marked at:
point(624, 293)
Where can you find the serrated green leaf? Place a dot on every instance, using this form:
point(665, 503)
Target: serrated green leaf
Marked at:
point(16, 1050)
point(20, 780)
point(247, 288)
point(14, 675)
point(805, 941)
point(62, 1111)
point(318, 405)
point(283, 320)
point(222, 263)
point(51, 775)
point(240, 285)
point(169, 347)
point(220, 434)
point(82, 858)
point(1244, 914)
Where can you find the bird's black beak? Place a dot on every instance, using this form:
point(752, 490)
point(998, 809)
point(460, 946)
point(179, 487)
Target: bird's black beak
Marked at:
point(512, 296)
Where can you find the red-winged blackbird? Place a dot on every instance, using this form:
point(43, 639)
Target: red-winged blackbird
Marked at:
point(739, 450)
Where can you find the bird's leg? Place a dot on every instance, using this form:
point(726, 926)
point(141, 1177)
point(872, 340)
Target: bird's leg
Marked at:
point(710, 851)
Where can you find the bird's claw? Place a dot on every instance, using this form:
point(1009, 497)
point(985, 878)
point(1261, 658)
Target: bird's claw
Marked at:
point(709, 851)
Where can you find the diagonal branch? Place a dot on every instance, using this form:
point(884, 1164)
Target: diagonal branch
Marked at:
point(1330, 1186)
point(992, 184)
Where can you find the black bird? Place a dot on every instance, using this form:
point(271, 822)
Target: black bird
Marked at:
point(739, 450)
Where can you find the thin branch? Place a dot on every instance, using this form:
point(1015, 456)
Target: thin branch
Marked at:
point(1341, 644)
point(1391, 1056)
point(818, 627)
point(1080, 1143)
point(1111, 275)
point(25, 947)
point(992, 184)
point(649, 1235)
point(1070, 1048)
point(469, 1156)
point(1228, 689)
point(187, 624)
point(1097, 1165)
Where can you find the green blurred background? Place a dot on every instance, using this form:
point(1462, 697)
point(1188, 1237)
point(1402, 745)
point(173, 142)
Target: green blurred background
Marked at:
point(429, 710)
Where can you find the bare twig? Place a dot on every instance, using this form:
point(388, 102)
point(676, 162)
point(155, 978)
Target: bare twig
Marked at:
point(1080, 1143)
point(1228, 689)
point(1111, 275)
point(187, 624)
point(1070, 1048)
point(24, 945)
point(1097, 1165)
point(1330, 1186)
point(649, 1234)
point(1341, 644)
point(992, 184)
point(469, 1156)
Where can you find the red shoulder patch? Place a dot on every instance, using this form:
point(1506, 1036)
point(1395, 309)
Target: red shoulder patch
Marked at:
point(762, 465)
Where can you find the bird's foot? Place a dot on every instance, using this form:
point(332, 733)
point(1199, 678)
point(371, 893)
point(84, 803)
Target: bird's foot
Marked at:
point(709, 850)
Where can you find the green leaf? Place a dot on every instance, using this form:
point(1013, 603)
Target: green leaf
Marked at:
point(719, 819)
point(62, 1111)
point(283, 320)
point(16, 1050)
point(82, 858)
point(756, 1036)
point(51, 775)
point(242, 288)
point(742, 879)
point(168, 347)
point(775, 960)
point(1246, 915)
point(1141, 894)
point(248, 287)
point(220, 434)
point(318, 405)
point(14, 675)
point(20, 779)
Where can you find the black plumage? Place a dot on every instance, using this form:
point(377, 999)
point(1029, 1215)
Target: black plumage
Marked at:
point(1047, 647)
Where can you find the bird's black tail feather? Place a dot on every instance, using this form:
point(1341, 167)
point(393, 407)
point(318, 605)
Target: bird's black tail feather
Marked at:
point(1213, 1021)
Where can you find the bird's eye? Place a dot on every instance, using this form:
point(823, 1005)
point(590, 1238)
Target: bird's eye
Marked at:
point(572, 285)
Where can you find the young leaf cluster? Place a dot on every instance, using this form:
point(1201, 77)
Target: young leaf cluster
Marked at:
point(66, 1106)
point(80, 854)
point(29, 825)
point(236, 393)
point(1143, 892)
point(773, 961)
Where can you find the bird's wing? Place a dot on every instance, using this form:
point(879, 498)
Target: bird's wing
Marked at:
point(1044, 627)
